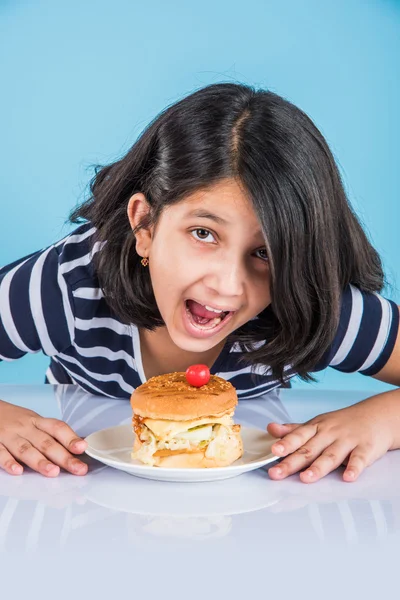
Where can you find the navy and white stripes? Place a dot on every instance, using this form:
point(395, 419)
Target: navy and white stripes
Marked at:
point(366, 334)
point(50, 301)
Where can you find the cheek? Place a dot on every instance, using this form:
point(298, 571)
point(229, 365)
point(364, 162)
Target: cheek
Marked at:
point(168, 253)
point(175, 265)
point(261, 293)
point(168, 276)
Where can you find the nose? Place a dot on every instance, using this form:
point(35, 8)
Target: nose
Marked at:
point(226, 278)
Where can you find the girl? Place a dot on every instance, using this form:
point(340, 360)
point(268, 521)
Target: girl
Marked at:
point(223, 237)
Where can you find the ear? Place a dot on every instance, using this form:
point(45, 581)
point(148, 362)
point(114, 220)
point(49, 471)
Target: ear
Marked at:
point(138, 208)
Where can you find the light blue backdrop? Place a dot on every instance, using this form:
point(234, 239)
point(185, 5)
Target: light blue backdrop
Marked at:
point(80, 80)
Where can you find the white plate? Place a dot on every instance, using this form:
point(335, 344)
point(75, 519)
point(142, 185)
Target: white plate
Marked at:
point(113, 447)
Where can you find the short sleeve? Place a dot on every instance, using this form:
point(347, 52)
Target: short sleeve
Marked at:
point(36, 306)
point(366, 334)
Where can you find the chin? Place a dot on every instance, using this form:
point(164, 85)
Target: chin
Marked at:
point(186, 342)
point(189, 344)
point(192, 345)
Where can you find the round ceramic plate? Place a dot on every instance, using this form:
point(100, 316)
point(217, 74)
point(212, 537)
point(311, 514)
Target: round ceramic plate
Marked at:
point(113, 447)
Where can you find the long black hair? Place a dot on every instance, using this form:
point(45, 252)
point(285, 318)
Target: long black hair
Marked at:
point(315, 243)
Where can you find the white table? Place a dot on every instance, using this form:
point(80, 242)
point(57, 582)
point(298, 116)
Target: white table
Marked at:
point(110, 533)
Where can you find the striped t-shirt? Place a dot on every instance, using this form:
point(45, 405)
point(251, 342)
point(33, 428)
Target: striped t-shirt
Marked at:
point(51, 302)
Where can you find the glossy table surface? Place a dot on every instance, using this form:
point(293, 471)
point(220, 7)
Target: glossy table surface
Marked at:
point(242, 535)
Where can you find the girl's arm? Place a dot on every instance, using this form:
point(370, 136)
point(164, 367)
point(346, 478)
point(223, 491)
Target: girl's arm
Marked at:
point(36, 306)
point(391, 371)
point(36, 314)
point(357, 435)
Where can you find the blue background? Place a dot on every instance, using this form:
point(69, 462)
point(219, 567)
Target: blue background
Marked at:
point(80, 80)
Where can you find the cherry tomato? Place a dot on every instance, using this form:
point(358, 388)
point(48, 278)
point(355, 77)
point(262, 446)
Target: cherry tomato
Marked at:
point(198, 375)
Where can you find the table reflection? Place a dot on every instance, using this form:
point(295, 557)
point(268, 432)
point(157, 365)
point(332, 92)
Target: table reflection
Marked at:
point(124, 511)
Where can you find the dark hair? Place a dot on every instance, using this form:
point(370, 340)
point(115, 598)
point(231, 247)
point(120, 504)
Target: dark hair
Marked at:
point(315, 243)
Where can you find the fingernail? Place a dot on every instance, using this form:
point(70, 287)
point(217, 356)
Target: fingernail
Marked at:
point(49, 467)
point(279, 448)
point(16, 469)
point(350, 474)
point(309, 473)
point(79, 468)
point(278, 470)
point(80, 445)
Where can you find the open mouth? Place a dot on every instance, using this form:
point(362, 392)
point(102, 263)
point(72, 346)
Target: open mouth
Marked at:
point(205, 320)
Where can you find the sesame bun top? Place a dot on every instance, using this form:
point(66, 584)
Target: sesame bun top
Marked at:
point(171, 397)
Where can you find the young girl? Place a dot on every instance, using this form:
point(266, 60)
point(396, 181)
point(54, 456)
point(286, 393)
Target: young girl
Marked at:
point(223, 237)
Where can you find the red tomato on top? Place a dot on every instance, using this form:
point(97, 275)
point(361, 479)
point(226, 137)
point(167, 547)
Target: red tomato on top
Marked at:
point(198, 375)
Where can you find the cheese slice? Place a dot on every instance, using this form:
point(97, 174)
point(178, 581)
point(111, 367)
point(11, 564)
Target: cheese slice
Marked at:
point(166, 430)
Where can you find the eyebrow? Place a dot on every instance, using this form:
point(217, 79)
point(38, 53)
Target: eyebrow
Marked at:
point(204, 214)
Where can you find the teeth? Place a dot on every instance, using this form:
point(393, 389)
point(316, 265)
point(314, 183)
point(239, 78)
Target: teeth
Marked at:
point(213, 309)
point(209, 325)
point(213, 323)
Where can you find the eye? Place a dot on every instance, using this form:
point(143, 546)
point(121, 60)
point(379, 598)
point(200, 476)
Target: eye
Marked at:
point(202, 234)
point(262, 253)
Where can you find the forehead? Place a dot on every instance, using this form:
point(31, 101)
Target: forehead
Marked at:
point(226, 201)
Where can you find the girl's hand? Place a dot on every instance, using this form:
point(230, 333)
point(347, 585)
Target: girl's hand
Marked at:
point(42, 444)
point(358, 435)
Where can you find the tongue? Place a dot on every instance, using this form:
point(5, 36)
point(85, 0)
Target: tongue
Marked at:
point(200, 311)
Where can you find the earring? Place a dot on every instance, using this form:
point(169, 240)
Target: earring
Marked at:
point(145, 261)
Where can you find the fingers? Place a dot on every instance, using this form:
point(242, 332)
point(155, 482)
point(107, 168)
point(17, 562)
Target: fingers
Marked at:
point(62, 433)
point(55, 452)
point(294, 440)
point(24, 451)
point(42, 444)
point(360, 458)
point(42, 454)
point(300, 459)
point(8, 462)
point(278, 430)
point(320, 462)
point(330, 459)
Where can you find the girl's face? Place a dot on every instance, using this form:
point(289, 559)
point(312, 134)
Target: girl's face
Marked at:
point(206, 251)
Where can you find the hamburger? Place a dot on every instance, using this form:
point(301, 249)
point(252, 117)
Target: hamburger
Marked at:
point(176, 424)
